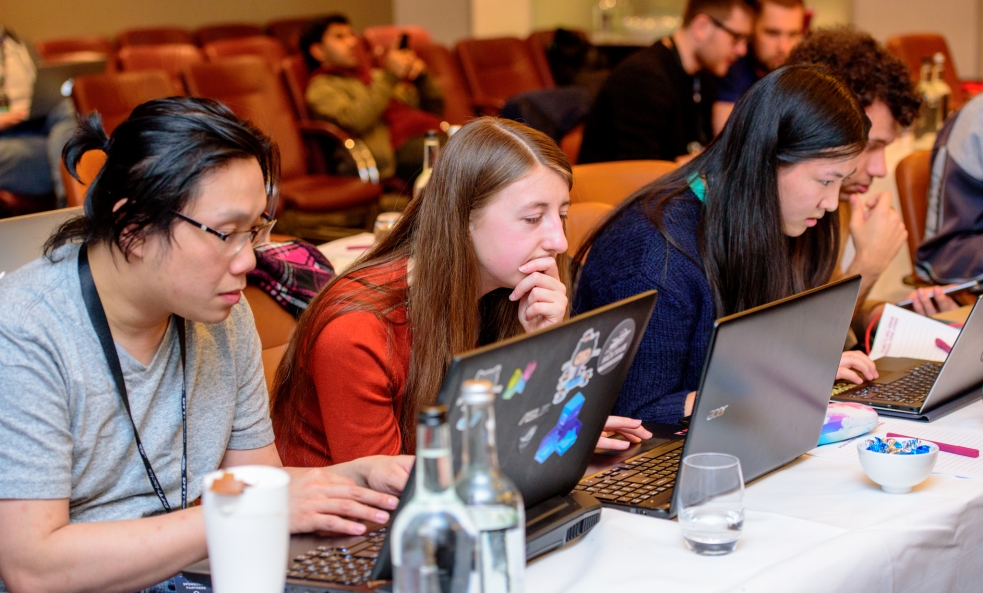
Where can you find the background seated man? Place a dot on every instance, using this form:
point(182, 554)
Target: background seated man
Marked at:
point(881, 84)
point(389, 108)
point(953, 246)
point(778, 28)
point(657, 103)
point(29, 150)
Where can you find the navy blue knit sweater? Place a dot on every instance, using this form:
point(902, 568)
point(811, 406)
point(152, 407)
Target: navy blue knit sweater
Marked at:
point(630, 257)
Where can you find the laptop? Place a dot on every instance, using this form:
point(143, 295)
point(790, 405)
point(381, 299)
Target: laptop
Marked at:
point(22, 238)
point(762, 397)
point(554, 390)
point(925, 390)
point(54, 82)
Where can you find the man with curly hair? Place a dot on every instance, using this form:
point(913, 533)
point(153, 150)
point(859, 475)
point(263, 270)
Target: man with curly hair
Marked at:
point(883, 88)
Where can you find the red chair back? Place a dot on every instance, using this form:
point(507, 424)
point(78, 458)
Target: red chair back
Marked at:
point(914, 47)
point(387, 36)
point(57, 49)
point(212, 33)
point(172, 58)
point(154, 36)
point(496, 69)
point(270, 50)
point(114, 95)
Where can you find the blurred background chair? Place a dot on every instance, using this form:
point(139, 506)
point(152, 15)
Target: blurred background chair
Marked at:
point(387, 36)
point(288, 31)
point(610, 183)
point(154, 36)
point(172, 58)
point(497, 69)
point(78, 49)
point(262, 46)
point(114, 95)
point(913, 176)
point(210, 33)
point(315, 205)
point(912, 48)
point(582, 218)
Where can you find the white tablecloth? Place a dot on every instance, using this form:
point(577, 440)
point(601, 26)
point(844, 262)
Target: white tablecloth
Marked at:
point(816, 525)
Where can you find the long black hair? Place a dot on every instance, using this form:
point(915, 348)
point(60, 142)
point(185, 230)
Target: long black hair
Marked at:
point(794, 114)
point(155, 160)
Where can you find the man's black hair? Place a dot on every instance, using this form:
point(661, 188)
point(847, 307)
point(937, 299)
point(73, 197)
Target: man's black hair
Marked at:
point(314, 32)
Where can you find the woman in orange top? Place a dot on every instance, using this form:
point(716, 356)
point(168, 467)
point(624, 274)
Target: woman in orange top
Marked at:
point(478, 258)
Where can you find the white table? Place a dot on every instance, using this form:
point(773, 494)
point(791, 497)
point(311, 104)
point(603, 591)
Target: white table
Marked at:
point(816, 525)
point(343, 252)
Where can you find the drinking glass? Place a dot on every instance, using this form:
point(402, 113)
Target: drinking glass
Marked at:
point(711, 502)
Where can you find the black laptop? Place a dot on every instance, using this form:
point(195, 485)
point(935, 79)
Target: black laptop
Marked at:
point(762, 397)
point(554, 390)
point(922, 389)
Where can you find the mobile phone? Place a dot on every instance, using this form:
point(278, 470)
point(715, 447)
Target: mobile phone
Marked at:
point(972, 284)
point(404, 41)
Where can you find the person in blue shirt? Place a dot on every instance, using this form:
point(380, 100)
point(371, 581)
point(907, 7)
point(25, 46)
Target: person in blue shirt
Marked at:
point(741, 225)
point(778, 27)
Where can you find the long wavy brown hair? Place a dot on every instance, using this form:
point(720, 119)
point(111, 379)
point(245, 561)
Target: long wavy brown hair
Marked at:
point(445, 309)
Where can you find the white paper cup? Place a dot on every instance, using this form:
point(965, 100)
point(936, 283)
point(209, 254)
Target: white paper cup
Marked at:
point(248, 534)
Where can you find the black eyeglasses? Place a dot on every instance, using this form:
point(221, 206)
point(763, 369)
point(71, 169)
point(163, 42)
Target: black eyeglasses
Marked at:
point(737, 37)
point(232, 243)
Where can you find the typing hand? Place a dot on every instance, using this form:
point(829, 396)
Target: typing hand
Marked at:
point(12, 118)
point(923, 303)
point(327, 502)
point(542, 296)
point(630, 428)
point(856, 367)
point(384, 473)
point(877, 232)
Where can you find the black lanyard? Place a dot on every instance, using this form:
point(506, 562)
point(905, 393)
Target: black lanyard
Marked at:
point(98, 317)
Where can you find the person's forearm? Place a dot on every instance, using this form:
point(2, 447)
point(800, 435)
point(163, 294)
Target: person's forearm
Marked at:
point(123, 556)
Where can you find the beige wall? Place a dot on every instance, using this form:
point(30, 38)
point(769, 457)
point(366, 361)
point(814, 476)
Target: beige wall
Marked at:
point(45, 19)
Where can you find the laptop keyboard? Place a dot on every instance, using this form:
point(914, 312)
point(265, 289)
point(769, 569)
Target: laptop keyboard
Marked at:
point(910, 390)
point(350, 565)
point(638, 479)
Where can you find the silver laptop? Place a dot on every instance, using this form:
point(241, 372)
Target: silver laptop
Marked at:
point(22, 237)
point(762, 397)
point(54, 83)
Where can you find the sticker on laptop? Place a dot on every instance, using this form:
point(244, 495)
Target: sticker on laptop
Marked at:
point(526, 438)
point(517, 384)
point(491, 375)
point(574, 373)
point(534, 413)
point(616, 346)
point(565, 433)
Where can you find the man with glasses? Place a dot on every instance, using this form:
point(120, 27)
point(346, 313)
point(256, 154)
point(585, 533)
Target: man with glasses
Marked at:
point(778, 28)
point(657, 103)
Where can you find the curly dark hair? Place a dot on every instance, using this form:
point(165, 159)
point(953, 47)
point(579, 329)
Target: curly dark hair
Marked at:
point(864, 66)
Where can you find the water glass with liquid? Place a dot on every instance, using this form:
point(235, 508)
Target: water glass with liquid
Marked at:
point(711, 502)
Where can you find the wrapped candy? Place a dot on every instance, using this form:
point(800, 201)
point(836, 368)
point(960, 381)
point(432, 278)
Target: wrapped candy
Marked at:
point(894, 446)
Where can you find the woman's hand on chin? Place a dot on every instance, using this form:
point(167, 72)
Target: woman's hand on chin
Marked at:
point(541, 294)
point(630, 428)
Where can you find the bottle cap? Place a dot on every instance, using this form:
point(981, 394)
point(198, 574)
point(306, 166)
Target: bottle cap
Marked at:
point(477, 392)
point(432, 415)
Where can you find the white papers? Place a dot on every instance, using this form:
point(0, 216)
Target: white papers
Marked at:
point(906, 334)
point(948, 463)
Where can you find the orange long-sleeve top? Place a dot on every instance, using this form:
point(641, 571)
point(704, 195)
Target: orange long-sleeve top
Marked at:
point(359, 365)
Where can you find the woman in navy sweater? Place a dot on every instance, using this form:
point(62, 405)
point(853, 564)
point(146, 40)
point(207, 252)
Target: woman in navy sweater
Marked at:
point(739, 226)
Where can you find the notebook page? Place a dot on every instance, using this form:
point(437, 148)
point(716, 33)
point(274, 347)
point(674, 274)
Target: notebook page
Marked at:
point(906, 334)
point(947, 463)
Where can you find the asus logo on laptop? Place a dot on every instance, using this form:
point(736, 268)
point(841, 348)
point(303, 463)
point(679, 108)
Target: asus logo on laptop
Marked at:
point(717, 413)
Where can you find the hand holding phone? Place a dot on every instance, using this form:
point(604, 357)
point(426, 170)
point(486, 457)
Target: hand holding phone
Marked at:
point(971, 285)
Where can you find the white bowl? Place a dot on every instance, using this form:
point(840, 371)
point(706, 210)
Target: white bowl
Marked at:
point(897, 473)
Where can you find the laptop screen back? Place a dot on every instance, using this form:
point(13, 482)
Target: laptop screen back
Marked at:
point(22, 238)
point(766, 381)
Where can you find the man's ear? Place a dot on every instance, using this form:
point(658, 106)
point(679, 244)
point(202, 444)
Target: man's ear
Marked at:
point(317, 52)
point(701, 27)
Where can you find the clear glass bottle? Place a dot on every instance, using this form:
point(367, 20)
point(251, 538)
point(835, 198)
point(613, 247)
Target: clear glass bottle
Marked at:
point(928, 114)
point(943, 93)
point(492, 499)
point(433, 537)
point(431, 146)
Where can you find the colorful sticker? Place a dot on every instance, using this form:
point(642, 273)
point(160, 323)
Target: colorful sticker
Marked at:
point(534, 413)
point(526, 438)
point(574, 373)
point(517, 383)
point(565, 433)
point(616, 346)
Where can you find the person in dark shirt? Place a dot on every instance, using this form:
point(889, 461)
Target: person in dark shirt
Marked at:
point(657, 103)
point(778, 27)
point(743, 224)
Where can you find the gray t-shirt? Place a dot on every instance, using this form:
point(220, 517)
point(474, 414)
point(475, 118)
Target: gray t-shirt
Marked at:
point(63, 429)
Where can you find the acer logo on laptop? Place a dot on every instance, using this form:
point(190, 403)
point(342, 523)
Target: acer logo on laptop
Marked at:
point(717, 413)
